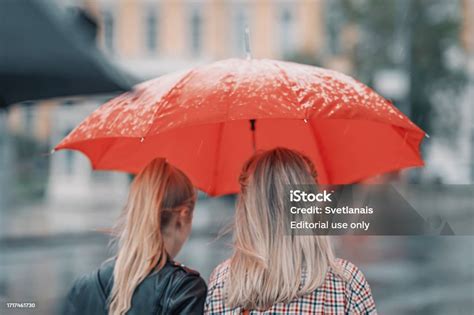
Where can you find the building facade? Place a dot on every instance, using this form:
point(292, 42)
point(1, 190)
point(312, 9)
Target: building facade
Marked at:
point(150, 38)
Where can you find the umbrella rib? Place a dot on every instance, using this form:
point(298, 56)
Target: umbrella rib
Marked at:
point(318, 148)
point(216, 161)
point(312, 130)
point(288, 81)
point(219, 142)
point(109, 147)
point(186, 76)
point(407, 132)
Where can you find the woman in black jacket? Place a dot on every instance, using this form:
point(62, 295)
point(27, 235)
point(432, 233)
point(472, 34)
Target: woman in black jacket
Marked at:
point(143, 278)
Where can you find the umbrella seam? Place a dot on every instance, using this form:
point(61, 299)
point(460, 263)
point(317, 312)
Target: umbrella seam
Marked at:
point(408, 132)
point(96, 164)
point(164, 98)
point(290, 83)
point(319, 151)
point(219, 142)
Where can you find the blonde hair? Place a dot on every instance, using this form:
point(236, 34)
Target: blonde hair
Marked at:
point(155, 194)
point(268, 263)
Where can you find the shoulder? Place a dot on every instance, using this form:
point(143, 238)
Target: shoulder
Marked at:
point(351, 274)
point(186, 291)
point(183, 276)
point(85, 289)
point(358, 294)
point(85, 283)
point(215, 295)
point(96, 280)
point(181, 271)
point(219, 275)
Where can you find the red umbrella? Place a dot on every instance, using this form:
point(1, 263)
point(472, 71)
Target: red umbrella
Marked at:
point(207, 121)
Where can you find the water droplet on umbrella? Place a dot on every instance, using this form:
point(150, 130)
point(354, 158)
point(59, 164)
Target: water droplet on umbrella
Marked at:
point(142, 139)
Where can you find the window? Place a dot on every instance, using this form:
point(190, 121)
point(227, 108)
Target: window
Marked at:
point(151, 28)
point(69, 102)
point(241, 22)
point(287, 31)
point(68, 158)
point(29, 117)
point(334, 20)
point(108, 27)
point(196, 31)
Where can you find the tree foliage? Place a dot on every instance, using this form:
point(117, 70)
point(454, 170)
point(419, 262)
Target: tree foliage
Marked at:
point(420, 37)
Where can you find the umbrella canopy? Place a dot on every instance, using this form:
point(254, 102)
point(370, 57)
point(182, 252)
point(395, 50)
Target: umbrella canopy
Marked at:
point(207, 121)
point(48, 51)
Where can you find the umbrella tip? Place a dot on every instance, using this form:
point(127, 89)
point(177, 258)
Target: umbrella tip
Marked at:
point(52, 151)
point(427, 135)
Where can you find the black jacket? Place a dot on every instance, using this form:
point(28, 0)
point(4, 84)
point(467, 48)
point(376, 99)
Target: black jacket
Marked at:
point(174, 289)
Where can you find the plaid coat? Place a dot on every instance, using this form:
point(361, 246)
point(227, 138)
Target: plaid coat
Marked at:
point(336, 295)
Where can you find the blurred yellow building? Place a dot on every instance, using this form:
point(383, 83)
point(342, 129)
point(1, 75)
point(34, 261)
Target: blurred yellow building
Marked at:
point(177, 33)
point(209, 29)
point(467, 34)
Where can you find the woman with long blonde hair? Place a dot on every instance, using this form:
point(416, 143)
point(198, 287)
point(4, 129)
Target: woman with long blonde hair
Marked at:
point(143, 278)
point(272, 271)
